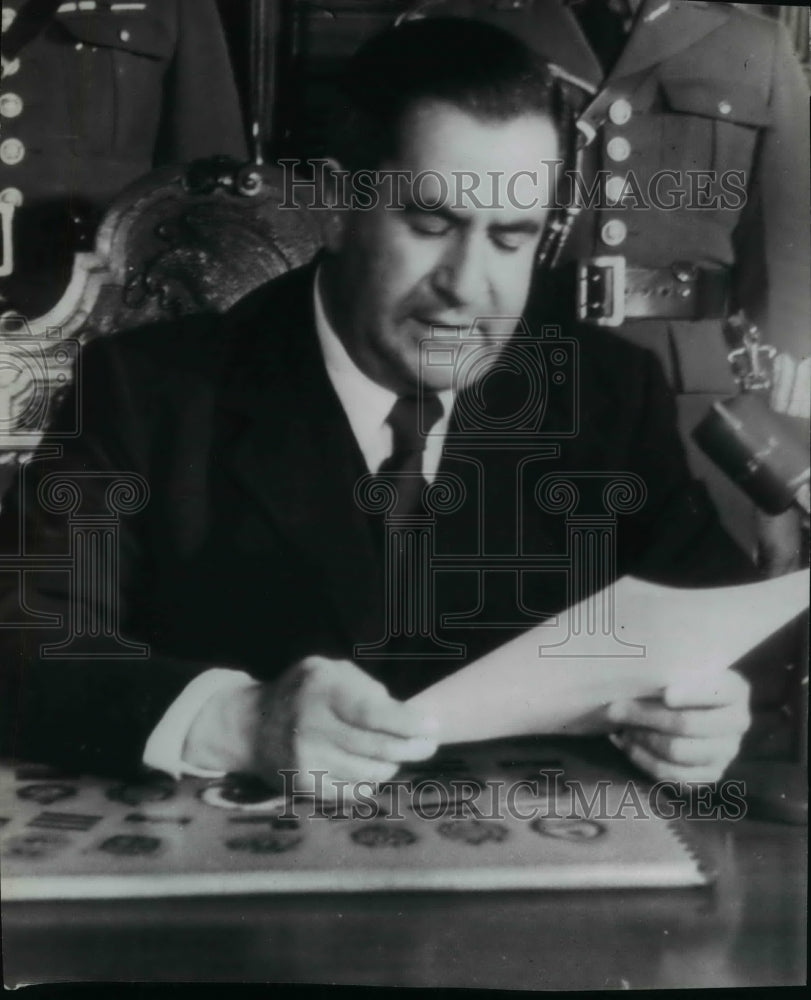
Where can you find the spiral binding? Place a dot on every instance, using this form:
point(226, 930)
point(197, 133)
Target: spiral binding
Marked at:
point(698, 848)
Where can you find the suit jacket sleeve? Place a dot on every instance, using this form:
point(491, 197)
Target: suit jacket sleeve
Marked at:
point(91, 706)
point(201, 111)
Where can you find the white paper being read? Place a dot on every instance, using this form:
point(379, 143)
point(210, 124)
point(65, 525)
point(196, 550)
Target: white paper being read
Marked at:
point(627, 641)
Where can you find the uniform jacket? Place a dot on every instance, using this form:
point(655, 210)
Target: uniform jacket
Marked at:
point(246, 546)
point(104, 94)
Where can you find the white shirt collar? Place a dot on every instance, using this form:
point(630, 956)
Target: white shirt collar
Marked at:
point(366, 403)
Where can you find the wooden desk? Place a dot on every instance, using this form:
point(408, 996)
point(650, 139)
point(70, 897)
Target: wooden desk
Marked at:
point(749, 929)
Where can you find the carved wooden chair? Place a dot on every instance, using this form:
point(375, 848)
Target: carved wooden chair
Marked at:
point(180, 240)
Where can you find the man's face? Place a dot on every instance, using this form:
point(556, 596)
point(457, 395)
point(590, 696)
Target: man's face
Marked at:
point(453, 255)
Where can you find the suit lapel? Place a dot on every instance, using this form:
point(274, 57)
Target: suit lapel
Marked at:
point(294, 455)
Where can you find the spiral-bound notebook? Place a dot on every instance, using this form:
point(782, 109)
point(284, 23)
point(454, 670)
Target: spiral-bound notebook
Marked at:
point(514, 815)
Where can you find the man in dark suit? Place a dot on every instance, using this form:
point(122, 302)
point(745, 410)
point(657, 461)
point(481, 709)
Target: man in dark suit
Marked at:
point(231, 469)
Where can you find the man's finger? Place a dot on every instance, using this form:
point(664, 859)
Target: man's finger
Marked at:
point(381, 713)
point(703, 723)
point(663, 770)
point(707, 690)
point(339, 765)
point(382, 746)
point(683, 750)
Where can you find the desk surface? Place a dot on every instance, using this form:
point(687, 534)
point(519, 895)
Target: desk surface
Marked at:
point(748, 929)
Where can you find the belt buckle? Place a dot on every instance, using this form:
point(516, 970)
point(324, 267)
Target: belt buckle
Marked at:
point(601, 290)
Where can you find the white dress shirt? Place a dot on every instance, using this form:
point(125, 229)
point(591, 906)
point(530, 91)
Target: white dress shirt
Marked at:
point(367, 405)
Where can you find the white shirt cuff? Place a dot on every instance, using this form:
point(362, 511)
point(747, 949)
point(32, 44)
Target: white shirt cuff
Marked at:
point(164, 748)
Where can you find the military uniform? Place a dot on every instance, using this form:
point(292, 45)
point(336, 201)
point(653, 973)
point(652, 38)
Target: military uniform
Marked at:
point(99, 97)
point(697, 87)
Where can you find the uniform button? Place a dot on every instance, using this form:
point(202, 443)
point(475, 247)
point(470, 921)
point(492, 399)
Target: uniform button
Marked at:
point(618, 149)
point(10, 105)
point(10, 67)
point(11, 196)
point(11, 151)
point(79, 46)
point(619, 111)
point(614, 232)
point(8, 17)
point(724, 107)
point(124, 35)
point(614, 187)
point(684, 271)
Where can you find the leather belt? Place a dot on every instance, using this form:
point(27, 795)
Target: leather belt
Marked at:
point(610, 292)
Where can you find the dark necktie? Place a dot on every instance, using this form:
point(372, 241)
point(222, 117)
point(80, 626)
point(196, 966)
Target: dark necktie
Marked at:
point(411, 420)
point(603, 24)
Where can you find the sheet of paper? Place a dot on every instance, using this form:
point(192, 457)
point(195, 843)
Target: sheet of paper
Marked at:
point(627, 641)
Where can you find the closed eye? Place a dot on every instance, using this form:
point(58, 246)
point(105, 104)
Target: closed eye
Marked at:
point(511, 240)
point(429, 223)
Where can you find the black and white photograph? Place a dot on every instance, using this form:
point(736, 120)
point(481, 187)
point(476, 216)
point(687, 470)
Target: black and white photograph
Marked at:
point(405, 411)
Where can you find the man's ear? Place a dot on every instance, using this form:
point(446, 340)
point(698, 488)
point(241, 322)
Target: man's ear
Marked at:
point(336, 214)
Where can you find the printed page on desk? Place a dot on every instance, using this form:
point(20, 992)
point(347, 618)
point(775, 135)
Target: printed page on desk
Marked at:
point(627, 641)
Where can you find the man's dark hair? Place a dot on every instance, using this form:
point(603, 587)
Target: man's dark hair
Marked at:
point(477, 67)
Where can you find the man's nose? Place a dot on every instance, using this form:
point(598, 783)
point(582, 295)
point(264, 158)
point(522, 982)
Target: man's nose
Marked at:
point(460, 275)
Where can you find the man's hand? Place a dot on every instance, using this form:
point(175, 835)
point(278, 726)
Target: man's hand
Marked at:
point(345, 722)
point(691, 733)
point(321, 715)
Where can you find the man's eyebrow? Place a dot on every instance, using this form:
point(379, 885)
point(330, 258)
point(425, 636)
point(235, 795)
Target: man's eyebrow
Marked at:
point(420, 208)
point(519, 226)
